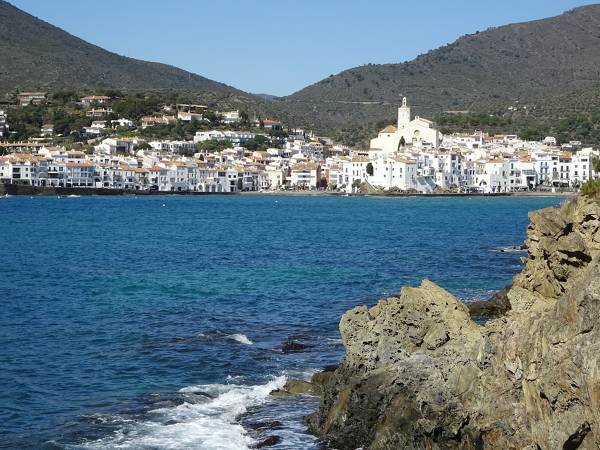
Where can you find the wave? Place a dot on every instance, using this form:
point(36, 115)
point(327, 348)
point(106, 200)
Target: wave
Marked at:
point(510, 249)
point(241, 338)
point(238, 337)
point(207, 420)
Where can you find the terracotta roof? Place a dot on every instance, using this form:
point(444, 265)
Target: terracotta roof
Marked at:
point(389, 129)
point(306, 166)
point(79, 164)
point(96, 97)
point(404, 160)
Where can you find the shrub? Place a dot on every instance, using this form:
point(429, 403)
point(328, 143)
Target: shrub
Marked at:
point(591, 188)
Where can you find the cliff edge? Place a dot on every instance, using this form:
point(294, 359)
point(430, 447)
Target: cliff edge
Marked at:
point(419, 373)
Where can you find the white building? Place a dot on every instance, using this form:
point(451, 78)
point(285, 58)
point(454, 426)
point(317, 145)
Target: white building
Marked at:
point(113, 146)
point(90, 99)
point(122, 122)
point(173, 146)
point(275, 177)
point(354, 171)
point(189, 116)
point(388, 172)
point(417, 132)
point(236, 137)
point(306, 176)
point(230, 116)
point(3, 124)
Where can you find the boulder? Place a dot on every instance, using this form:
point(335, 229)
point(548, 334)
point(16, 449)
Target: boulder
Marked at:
point(296, 387)
point(292, 346)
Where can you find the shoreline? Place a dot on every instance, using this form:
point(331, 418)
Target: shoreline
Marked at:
point(343, 194)
point(37, 191)
point(26, 190)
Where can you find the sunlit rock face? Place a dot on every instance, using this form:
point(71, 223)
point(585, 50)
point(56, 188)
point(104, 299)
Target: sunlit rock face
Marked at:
point(420, 373)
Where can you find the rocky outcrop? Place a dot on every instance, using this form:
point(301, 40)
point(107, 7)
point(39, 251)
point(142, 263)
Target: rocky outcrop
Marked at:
point(303, 387)
point(419, 373)
point(493, 308)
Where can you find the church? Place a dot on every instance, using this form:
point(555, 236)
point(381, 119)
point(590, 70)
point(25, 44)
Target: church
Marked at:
point(417, 132)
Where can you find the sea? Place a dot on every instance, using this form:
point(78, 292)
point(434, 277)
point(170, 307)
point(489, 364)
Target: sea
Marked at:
point(160, 322)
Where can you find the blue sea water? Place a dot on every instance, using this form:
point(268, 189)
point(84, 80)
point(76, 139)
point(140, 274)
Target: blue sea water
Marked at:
point(157, 322)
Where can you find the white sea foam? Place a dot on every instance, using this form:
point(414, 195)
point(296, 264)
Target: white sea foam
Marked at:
point(241, 338)
point(511, 249)
point(238, 337)
point(211, 424)
point(300, 374)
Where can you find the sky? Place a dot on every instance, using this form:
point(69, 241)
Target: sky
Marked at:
point(280, 46)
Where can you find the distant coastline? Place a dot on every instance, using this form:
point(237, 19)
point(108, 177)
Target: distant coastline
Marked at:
point(20, 190)
point(415, 194)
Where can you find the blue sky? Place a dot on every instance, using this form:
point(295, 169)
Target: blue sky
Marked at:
point(280, 46)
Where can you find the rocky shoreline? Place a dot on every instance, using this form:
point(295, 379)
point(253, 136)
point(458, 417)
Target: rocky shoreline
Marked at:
point(421, 373)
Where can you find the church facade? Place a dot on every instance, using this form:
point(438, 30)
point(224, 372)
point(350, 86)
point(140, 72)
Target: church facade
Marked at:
point(417, 132)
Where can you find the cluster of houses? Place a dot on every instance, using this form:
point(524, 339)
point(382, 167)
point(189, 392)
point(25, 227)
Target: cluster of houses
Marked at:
point(99, 111)
point(116, 164)
point(410, 156)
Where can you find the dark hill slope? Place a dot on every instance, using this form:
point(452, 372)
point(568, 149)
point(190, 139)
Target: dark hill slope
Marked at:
point(520, 61)
point(37, 55)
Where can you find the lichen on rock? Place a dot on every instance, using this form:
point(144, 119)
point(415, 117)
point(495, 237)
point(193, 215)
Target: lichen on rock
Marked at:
point(419, 373)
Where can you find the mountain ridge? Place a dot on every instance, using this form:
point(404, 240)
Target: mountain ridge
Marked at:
point(534, 61)
point(526, 60)
point(39, 55)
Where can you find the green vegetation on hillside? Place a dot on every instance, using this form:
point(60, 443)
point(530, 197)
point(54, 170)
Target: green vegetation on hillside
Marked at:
point(591, 188)
point(68, 116)
point(526, 62)
point(575, 116)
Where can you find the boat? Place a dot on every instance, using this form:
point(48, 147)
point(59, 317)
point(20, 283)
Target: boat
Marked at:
point(73, 196)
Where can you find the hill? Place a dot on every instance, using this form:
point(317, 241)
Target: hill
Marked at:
point(38, 55)
point(526, 61)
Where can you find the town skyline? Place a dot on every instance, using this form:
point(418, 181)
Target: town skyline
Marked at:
point(306, 48)
point(232, 153)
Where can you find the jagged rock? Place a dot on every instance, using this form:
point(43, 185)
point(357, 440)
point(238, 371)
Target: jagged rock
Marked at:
point(263, 425)
point(300, 387)
point(419, 373)
point(320, 379)
point(267, 442)
point(493, 308)
point(292, 346)
point(296, 387)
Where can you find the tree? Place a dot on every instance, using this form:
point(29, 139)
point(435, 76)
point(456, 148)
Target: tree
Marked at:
point(402, 141)
point(370, 169)
point(213, 117)
point(136, 106)
point(260, 142)
point(213, 145)
point(143, 146)
point(65, 97)
point(596, 165)
point(244, 119)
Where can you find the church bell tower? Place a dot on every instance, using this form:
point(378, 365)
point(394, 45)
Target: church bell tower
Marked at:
point(403, 114)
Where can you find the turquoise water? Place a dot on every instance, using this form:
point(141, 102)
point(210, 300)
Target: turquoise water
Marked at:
point(158, 322)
